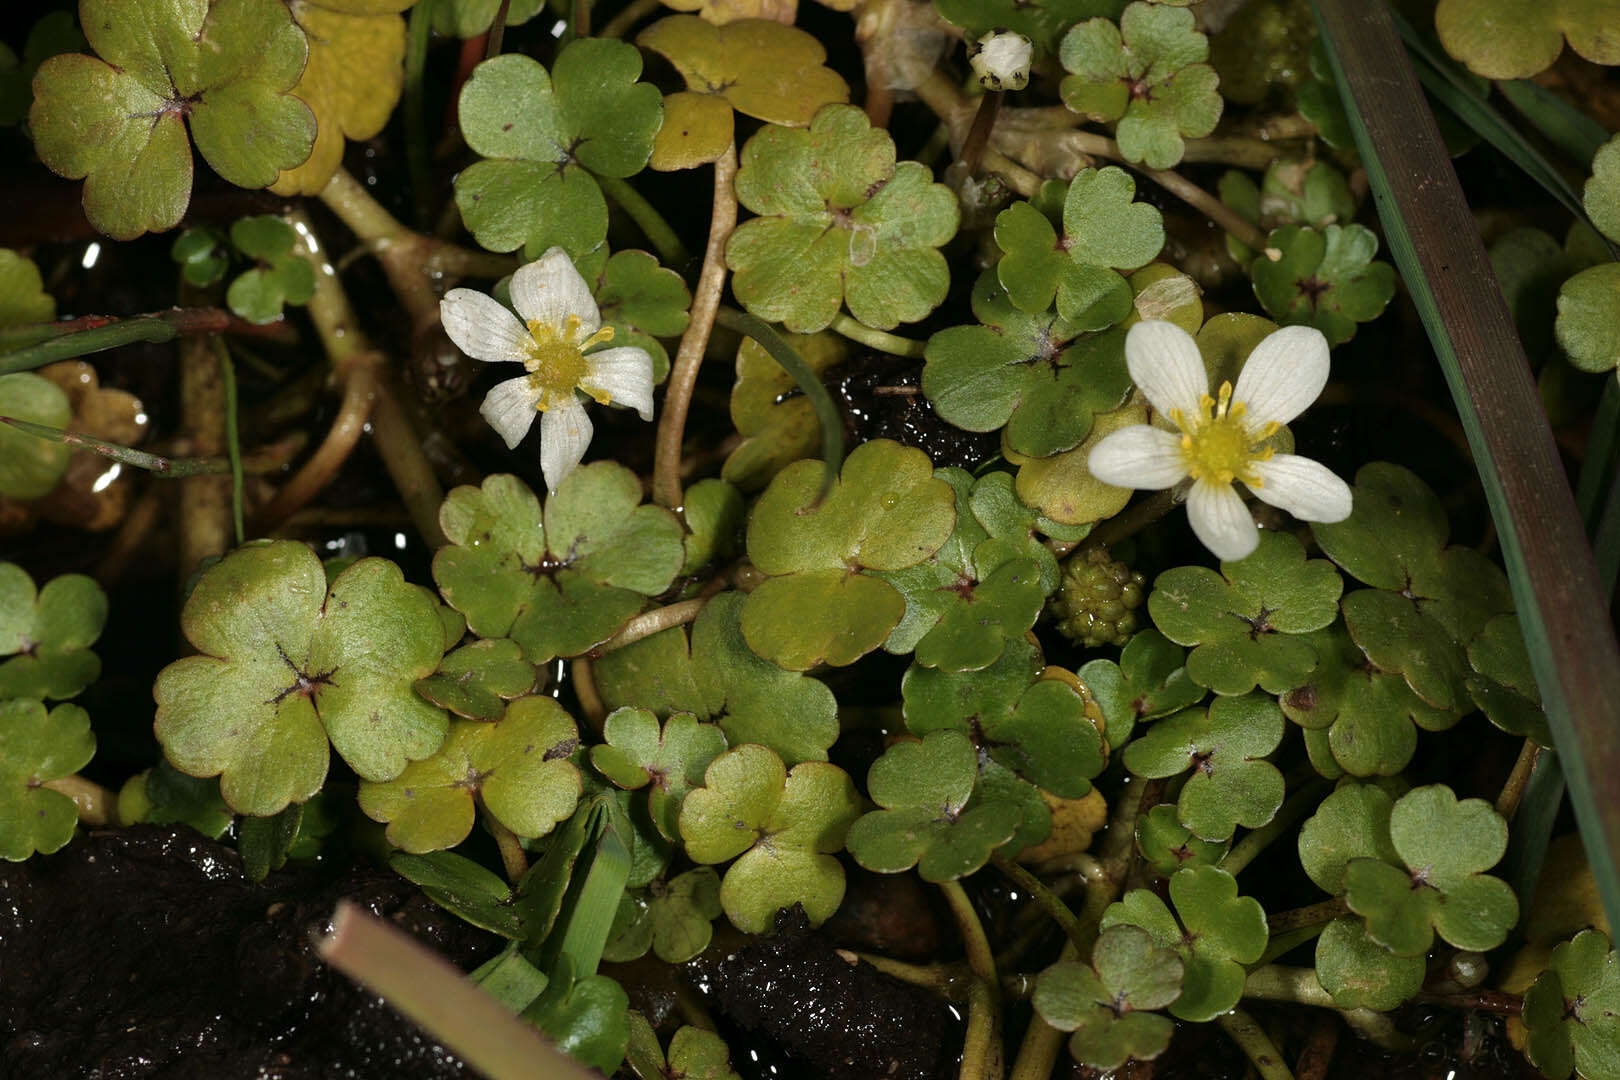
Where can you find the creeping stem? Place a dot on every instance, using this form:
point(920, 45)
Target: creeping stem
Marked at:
point(981, 1050)
point(705, 301)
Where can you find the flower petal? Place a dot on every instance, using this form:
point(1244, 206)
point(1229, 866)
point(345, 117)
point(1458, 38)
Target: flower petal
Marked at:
point(482, 328)
point(1166, 366)
point(549, 290)
point(1221, 521)
point(509, 407)
point(565, 432)
point(1283, 375)
point(1138, 456)
point(1307, 489)
point(624, 375)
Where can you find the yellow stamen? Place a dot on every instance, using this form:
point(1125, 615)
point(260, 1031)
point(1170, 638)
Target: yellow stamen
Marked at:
point(556, 362)
point(1217, 445)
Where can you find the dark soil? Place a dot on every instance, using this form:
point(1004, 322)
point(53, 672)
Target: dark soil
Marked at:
point(146, 952)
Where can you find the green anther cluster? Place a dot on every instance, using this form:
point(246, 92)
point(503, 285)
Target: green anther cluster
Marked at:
point(1096, 602)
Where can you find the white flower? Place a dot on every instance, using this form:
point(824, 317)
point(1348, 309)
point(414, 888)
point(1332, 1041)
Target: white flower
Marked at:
point(1001, 60)
point(563, 323)
point(1221, 439)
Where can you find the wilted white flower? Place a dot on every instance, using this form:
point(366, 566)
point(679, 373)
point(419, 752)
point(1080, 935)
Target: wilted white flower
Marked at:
point(563, 323)
point(1221, 440)
point(1001, 60)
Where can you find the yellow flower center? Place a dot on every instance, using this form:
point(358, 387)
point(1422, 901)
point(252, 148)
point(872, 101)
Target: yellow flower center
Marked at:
point(556, 362)
point(1217, 445)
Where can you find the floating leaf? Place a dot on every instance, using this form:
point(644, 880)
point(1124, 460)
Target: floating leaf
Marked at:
point(1326, 279)
point(1217, 933)
point(561, 582)
point(224, 67)
point(1038, 375)
point(542, 136)
point(1572, 1012)
point(1246, 620)
point(1293, 192)
point(286, 664)
point(1504, 687)
point(674, 919)
point(37, 747)
point(718, 677)
point(1444, 846)
point(759, 67)
point(586, 1016)
point(840, 222)
point(467, 19)
point(887, 511)
point(1148, 74)
point(642, 301)
point(781, 826)
point(1427, 599)
point(282, 277)
point(986, 584)
point(669, 762)
point(516, 767)
point(1351, 823)
point(29, 466)
point(1061, 486)
point(1223, 745)
point(1103, 231)
point(1037, 727)
point(1043, 22)
point(1503, 39)
point(1149, 681)
point(1370, 716)
point(924, 788)
point(352, 82)
point(202, 255)
point(1362, 974)
point(166, 796)
point(777, 422)
point(48, 634)
point(1107, 1003)
point(23, 298)
point(1588, 323)
point(1167, 845)
point(478, 679)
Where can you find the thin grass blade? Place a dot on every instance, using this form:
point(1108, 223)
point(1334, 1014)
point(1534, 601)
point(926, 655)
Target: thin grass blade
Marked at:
point(1563, 125)
point(1431, 233)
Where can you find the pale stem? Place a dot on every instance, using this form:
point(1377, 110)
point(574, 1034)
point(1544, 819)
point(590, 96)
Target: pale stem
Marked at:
point(1285, 922)
point(350, 353)
point(659, 232)
point(652, 622)
point(1042, 1042)
point(705, 302)
point(634, 12)
point(981, 1051)
point(941, 94)
point(513, 857)
point(96, 805)
point(590, 701)
point(948, 980)
point(1298, 805)
point(1300, 986)
point(1507, 803)
point(206, 528)
point(1045, 897)
point(892, 344)
point(978, 136)
point(1255, 1044)
point(432, 993)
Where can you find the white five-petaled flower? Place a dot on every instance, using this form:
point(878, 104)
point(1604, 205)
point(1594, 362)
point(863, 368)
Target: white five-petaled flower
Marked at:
point(1222, 440)
point(563, 322)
